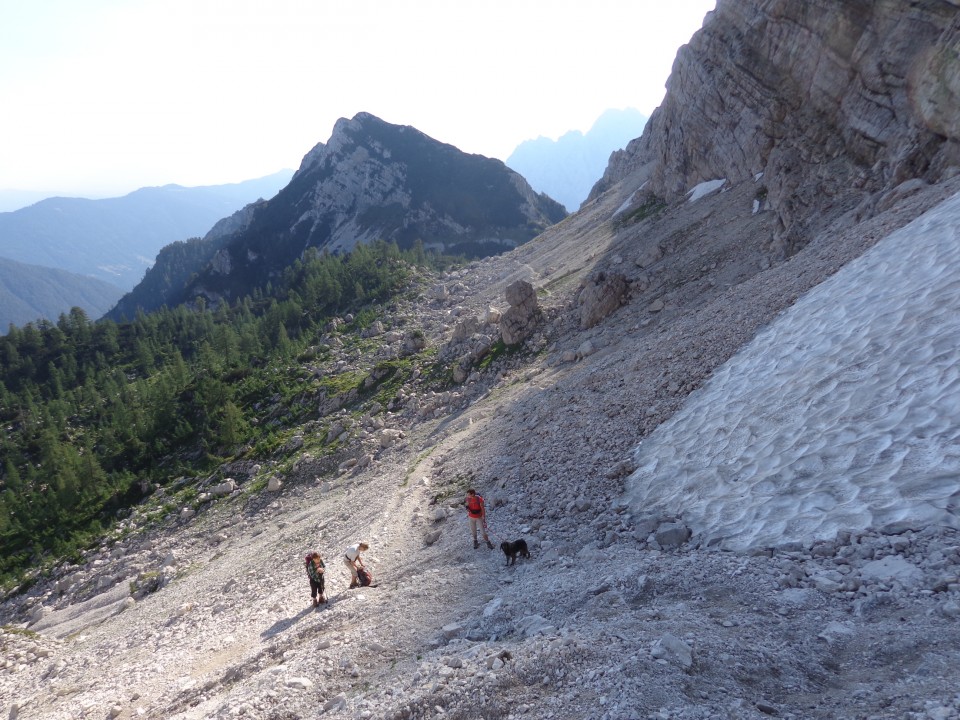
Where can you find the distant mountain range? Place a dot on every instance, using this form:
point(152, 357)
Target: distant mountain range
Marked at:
point(31, 292)
point(566, 169)
point(372, 180)
point(11, 200)
point(116, 239)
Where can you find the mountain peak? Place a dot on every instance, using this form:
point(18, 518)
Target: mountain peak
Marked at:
point(567, 168)
point(374, 180)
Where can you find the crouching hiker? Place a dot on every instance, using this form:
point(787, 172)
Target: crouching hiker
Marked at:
point(353, 561)
point(315, 571)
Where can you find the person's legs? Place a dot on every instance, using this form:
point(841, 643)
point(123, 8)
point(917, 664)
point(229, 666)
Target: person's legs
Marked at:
point(354, 580)
point(314, 589)
point(473, 531)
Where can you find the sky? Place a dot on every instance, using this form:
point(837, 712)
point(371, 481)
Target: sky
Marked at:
point(101, 97)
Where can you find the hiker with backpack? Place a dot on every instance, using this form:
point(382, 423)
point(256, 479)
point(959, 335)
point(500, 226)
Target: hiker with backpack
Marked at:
point(315, 571)
point(477, 513)
point(353, 561)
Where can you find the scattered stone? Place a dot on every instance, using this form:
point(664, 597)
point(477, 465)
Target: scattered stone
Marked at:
point(672, 649)
point(338, 702)
point(299, 683)
point(451, 630)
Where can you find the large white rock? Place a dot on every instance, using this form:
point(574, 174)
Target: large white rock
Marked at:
point(892, 567)
point(224, 488)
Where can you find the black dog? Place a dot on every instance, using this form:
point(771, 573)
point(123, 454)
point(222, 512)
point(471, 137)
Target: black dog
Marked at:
point(512, 549)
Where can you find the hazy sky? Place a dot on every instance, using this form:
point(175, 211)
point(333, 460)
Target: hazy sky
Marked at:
point(101, 97)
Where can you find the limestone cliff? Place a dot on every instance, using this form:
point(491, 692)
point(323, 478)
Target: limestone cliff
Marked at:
point(834, 102)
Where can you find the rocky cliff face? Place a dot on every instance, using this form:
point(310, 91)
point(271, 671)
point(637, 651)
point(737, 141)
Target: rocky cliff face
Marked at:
point(834, 102)
point(373, 180)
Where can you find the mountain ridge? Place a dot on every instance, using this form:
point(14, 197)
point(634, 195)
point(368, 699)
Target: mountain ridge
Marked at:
point(371, 181)
point(121, 236)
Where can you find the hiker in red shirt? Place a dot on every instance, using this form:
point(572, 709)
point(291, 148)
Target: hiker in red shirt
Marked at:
point(477, 513)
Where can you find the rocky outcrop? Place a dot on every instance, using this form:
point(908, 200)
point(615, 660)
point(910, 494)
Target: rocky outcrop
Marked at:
point(518, 322)
point(833, 102)
point(602, 294)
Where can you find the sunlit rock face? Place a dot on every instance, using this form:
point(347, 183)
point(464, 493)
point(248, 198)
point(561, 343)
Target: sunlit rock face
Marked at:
point(841, 415)
point(832, 101)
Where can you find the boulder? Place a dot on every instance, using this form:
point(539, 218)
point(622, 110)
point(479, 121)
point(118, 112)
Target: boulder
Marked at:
point(465, 328)
point(389, 437)
point(649, 256)
point(671, 535)
point(224, 488)
point(602, 295)
point(892, 568)
point(375, 329)
point(519, 321)
point(451, 630)
point(414, 342)
point(335, 431)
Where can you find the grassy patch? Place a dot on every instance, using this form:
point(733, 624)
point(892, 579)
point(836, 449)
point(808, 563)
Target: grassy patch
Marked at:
point(148, 582)
point(334, 385)
point(652, 207)
point(498, 350)
point(14, 630)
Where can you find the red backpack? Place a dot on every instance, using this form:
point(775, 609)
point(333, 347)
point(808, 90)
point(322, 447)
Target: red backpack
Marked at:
point(475, 504)
point(364, 576)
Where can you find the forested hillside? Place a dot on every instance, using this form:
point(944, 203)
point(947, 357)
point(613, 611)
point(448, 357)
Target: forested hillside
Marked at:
point(95, 415)
point(31, 292)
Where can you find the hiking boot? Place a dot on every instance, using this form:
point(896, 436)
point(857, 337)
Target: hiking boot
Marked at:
point(354, 585)
point(475, 544)
point(489, 544)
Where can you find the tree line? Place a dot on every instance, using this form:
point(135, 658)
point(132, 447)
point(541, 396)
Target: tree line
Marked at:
point(93, 414)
